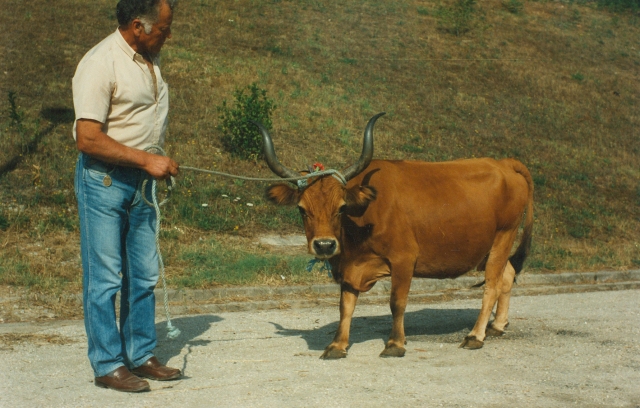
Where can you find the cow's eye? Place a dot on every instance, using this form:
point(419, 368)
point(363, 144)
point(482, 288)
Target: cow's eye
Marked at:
point(303, 213)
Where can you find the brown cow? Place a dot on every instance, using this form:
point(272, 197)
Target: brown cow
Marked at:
point(406, 218)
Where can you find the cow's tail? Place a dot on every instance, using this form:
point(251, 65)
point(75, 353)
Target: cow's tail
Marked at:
point(517, 259)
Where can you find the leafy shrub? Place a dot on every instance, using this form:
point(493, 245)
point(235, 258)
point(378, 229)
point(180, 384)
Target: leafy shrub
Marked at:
point(4, 222)
point(239, 137)
point(620, 5)
point(17, 116)
point(457, 19)
point(22, 134)
point(513, 6)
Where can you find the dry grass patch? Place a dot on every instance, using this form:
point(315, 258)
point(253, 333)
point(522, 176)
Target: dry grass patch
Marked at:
point(7, 341)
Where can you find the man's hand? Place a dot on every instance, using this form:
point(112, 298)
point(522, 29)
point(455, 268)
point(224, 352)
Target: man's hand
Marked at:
point(160, 167)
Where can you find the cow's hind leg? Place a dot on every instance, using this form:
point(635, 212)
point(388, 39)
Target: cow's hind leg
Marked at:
point(400, 285)
point(338, 347)
point(502, 311)
point(494, 273)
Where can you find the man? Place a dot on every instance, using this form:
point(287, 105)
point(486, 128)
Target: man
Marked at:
point(121, 105)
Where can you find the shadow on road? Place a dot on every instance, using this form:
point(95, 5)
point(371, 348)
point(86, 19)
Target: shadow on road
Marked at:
point(433, 325)
point(190, 328)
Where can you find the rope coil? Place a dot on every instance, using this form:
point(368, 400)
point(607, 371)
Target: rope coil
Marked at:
point(172, 331)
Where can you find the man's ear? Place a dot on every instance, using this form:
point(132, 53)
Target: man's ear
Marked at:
point(358, 198)
point(137, 27)
point(283, 194)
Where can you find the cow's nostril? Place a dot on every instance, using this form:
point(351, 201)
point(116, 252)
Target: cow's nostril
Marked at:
point(324, 246)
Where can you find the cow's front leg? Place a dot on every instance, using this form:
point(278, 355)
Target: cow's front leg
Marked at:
point(338, 347)
point(400, 285)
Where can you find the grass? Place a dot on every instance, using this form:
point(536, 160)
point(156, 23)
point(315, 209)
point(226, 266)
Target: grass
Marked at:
point(214, 264)
point(552, 84)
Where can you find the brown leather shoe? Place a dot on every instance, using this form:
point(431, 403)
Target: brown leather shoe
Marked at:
point(122, 380)
point(154, 370)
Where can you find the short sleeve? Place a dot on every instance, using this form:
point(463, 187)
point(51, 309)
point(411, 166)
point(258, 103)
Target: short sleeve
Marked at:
point(92, 86)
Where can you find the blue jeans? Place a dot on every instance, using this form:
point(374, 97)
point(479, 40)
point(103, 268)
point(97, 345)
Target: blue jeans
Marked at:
point(117, 242)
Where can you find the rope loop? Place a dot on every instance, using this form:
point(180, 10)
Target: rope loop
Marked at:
point(172, 331)
point(171, 181)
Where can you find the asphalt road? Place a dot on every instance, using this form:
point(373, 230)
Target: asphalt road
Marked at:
point(571, 349)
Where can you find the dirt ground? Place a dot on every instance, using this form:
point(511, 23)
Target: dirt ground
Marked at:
point(571, 349)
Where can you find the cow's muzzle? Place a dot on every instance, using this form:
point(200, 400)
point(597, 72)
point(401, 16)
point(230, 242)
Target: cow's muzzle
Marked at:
point(325, 248)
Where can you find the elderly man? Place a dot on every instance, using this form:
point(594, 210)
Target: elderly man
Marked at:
point(121, 104)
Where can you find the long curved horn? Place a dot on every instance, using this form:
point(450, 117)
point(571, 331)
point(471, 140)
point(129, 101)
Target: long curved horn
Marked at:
point(270, 155)
point(367, 151)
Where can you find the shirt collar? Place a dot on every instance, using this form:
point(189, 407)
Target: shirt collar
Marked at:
point(124, 45)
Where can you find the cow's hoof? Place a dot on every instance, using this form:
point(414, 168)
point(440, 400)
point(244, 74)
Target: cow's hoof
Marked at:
point(393, 352)
point(333, 354)
point(491, 332)
point(471, 343)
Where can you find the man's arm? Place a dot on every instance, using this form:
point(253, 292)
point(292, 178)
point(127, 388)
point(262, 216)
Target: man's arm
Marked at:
point(92, 141)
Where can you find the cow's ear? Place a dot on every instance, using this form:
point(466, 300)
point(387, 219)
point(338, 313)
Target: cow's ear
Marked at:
point(283, 194)
point(360, 196)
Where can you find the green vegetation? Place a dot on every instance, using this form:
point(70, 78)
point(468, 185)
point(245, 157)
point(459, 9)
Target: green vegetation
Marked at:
point(551, 83)
point(513, 6)
point(240, 137)
point(216, 264)
point(457, 18)
point(19, 138)
point(620, 6)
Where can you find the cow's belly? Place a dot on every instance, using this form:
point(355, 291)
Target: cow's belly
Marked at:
point(441, 271)
point(450, 260)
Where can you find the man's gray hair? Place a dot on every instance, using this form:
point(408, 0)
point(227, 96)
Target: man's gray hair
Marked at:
point(146, 10)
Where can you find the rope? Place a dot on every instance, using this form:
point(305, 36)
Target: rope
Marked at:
point(172, 332)
point(324, 265)
point(332, 172)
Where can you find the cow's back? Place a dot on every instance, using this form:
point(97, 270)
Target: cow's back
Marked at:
point(444, 214)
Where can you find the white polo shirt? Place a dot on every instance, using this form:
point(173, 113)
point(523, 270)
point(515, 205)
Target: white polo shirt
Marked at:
point(114, 86)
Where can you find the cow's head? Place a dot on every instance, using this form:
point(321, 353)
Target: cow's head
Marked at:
point(325, 199)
